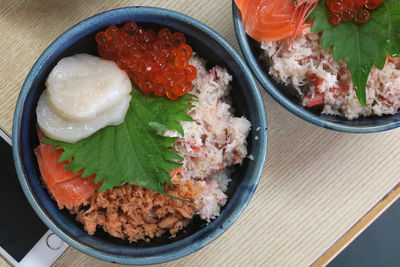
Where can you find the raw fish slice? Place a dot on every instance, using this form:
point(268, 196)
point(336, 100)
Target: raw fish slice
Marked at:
point(52, 171)
point(67, 189)
point(269, 20)
point(60, 129)
point(74, 192)
point(82, 86)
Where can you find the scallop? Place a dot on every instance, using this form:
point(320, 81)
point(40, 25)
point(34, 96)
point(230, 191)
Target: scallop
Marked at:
point(61, 129)
point(82, 86)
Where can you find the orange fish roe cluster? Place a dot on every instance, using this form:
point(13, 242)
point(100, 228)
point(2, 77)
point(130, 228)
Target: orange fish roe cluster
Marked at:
point(158, 63)
point(350, 10)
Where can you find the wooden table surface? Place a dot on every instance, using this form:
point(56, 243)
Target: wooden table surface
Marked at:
point(316, 184)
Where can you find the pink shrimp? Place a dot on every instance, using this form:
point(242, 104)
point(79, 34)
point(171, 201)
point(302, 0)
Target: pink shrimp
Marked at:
point(301, 12)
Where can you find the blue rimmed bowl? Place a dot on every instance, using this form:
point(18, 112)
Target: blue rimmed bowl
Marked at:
point(286, 97)
point(246, 101)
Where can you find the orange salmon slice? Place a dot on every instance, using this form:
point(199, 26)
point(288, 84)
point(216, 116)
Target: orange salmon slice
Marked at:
point(52, 171)
point(74, 192)
point(269, 20)
point(68, 189)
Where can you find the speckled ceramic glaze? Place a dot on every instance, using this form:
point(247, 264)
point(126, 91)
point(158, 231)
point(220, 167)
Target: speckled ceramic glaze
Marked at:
point(251, 51)
point(246, 101)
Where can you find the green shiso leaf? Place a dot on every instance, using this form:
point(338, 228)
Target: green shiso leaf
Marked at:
point(361, 45)
point(134, 152)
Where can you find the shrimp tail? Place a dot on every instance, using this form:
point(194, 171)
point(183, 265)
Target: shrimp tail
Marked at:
point(302, 11)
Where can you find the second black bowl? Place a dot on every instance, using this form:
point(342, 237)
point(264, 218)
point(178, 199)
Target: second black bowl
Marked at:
point(252, 53)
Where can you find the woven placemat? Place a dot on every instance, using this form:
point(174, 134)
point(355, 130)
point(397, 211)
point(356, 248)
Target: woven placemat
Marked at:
point(315, 185)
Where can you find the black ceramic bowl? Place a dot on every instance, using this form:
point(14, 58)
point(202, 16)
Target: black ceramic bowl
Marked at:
point(246, 101)
point(286, 97)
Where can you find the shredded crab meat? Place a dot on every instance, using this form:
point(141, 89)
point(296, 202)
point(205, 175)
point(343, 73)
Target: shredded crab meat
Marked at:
point(319, 79)
point(216, 139)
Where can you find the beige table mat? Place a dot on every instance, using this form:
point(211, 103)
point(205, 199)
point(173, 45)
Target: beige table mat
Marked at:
point(315, 185)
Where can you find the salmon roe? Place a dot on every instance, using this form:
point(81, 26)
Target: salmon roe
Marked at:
point(350, 10)
point(157, 62)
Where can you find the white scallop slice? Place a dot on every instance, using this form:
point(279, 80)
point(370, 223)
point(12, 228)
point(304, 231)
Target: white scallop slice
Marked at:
point(81, 86)
point(60, 129)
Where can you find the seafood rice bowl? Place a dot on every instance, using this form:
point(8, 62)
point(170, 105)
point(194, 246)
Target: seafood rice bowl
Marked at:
point(138, 143)
point(303, 54)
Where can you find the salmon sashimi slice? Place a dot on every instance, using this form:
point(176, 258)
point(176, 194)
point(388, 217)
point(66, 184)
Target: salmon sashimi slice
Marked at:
point(74, 192)
point(271, 20)
point(52, 171)
point(67, 188)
